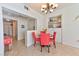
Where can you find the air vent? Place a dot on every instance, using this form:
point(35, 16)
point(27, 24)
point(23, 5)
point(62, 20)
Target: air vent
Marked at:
point(25, 7)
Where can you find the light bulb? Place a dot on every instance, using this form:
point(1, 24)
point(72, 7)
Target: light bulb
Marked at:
point(51, 10)
point(44, 6)
point(51, 4)
point(56, 5)
point(42, 9)
point(45, 11)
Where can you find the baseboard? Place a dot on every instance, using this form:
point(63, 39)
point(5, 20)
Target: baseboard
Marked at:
point(69, 44)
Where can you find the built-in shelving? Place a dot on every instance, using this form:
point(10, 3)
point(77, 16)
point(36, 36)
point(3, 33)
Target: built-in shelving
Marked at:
point(54, 22)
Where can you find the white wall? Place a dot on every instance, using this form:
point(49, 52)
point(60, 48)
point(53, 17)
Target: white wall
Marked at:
point(70, 27)
point(1, 34)
point(21, 31)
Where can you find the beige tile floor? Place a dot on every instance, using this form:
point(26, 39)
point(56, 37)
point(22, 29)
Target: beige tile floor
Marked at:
point(19, 49)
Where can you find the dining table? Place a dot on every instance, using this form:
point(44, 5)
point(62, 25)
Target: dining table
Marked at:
point(51, 36)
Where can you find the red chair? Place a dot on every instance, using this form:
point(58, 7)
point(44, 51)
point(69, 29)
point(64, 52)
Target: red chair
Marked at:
point(45, 40)
point(35, 38)
point(54, 39)
point(8, 42)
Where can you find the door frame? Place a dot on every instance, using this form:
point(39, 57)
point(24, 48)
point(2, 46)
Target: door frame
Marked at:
point(16, 29)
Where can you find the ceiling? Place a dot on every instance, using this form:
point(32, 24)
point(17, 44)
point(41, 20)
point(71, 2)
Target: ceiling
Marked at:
point(12, 13)
point(37, 6)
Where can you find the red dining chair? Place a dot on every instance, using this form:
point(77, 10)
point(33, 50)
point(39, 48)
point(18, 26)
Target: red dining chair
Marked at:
point(45, 41)
point(35, 38)
point(54, 39)
point(7, 41)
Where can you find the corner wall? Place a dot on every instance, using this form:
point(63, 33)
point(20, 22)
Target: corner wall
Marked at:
point(70, 26)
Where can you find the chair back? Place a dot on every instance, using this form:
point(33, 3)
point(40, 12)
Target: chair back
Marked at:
point(45, 38)
point(34, 36)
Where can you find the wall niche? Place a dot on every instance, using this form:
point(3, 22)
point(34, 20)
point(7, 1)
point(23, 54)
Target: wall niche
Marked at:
point(54, 22)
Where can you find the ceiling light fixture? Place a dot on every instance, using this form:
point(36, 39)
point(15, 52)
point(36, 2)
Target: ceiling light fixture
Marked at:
point(49, 7)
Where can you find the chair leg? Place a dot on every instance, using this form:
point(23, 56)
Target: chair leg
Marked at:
point(48, 49)
point(41, 48)
point(54, 45)
point(34, 44)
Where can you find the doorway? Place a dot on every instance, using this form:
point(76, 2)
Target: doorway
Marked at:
point(10, 28)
